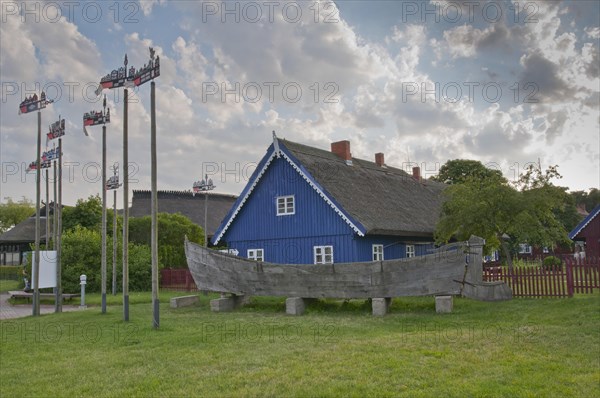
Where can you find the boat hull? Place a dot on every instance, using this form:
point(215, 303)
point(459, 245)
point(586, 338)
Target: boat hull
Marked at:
point(441, 273)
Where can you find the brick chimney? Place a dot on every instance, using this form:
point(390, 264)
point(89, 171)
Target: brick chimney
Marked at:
point(379, 159)
point(417, 173)
point(342, 150)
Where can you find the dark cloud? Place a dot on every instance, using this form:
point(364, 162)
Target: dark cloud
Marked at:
point(592, 68)
point(555, 123)
point(508, 144)
point(545, 75)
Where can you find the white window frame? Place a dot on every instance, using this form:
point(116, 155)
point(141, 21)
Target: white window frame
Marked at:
point(286, 200)
point(410, 251)
point(545, 250)
point(256, 254)
point(525, 248)
point(320, 251)
point(377, 251)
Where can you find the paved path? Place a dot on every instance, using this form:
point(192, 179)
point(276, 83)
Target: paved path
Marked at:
point(9, 311)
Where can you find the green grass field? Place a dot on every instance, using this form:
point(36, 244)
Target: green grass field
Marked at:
point(520, 348)
point(6, 285)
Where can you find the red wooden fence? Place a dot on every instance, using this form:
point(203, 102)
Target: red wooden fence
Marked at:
point(177, 279)
point(572, 277)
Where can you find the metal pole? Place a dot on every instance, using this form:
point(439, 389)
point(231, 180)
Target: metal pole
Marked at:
point(58, 215)
point(125, 212)
point(103, 270)
point(36, 263)
point(154, 204)
point(114, 264)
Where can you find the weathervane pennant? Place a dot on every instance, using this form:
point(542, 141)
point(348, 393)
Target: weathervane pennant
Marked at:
point(57, 129)
point(121, 77)
point(33, 103)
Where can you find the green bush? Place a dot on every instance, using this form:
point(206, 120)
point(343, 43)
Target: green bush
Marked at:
point(172, 229)
point(11, 272)
point(81, 254)
point(140, 269)
point(552, 263)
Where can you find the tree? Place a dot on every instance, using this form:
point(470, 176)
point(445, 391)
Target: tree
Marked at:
point(81, 255)
point(590, 199)
point(12, 213)
point(491, 208)
point(537, 184)
point(458, 171)
point(172, 229)
point(86, 213)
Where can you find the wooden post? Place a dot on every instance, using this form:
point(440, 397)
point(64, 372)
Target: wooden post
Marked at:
point(206, 218)
point(47, 210)
point(125, 211)
point(36, 263)
point(103, 255)
point(54, 218)
point(58, 215)
point(569, 270)
point(154, 204)
point(114, 259)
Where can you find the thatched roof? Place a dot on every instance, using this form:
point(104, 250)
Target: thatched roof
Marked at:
point(24, 232)
point(186, 203)
point(385, 200)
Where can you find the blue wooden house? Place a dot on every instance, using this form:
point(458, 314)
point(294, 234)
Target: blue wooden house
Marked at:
point(305, 205)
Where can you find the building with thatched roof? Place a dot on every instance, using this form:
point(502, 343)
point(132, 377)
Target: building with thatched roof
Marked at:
point(187, 203)
point(18, 240)
point(308, 205)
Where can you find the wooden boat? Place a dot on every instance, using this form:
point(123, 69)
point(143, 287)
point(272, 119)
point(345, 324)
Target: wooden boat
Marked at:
point(450, 270)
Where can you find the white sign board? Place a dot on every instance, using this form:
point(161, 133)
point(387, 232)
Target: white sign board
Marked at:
point(47, 269)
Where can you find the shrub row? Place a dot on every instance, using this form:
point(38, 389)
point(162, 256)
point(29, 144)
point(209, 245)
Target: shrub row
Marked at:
point(81, 254)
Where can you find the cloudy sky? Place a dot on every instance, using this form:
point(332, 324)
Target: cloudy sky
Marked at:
point(507, 83)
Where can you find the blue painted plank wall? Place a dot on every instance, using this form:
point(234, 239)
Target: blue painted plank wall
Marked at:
point(313, 218)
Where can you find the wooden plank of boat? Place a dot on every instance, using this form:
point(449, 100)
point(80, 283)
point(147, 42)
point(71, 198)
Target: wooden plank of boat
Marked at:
point(434, 274)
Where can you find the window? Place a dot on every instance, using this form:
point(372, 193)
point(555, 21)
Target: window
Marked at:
point(377, 252)
point(323, 254)
point(256, 254)
point(545, 250)
point(410, 251)
point(524, 248)
point(285, 205)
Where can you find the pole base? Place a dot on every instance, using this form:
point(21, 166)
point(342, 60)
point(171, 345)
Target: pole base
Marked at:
point(156, 318)
point(35, 303)
point(104, 303)
point(126, 308)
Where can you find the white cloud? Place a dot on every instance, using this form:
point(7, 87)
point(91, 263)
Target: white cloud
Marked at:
point(593, 32)
point(148, 5)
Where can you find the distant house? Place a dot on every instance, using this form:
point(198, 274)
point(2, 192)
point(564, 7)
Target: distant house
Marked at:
point(19, 239)
point(309, 205)
point(587, 232)
point(186, 203)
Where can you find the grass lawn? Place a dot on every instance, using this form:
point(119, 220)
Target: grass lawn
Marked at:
point(6, 285)
point(520, 348)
